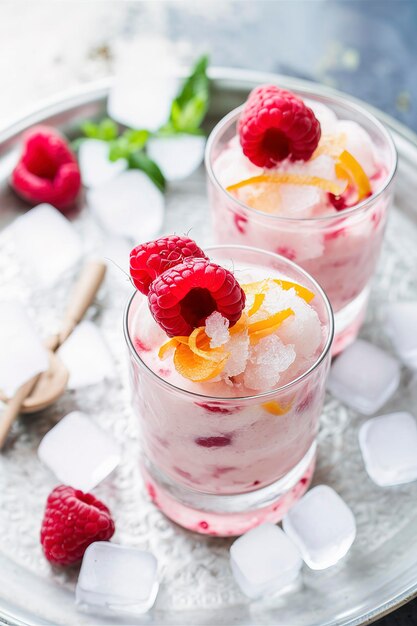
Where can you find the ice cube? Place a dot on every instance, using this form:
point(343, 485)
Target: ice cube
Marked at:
point(401, 324)
point(264, 561)
point(116, 579)
point(364, 377)
point(22, 354)
point(217, 328)
point(389, 448)
point(325, 116)
point(238, 348)
point(79, 452)
point(177, 156)
point(322, 526)
point(359, 144)
point(129, 205)
point(86, 356)
point(46, 243)
point(296, 200)
point(93, 158)
point(142, 101)
point(267, 359)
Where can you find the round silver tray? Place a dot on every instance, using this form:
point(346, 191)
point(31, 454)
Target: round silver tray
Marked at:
point(379, 573)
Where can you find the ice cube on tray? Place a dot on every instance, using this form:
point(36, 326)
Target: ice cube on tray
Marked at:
point(389, 448)
point(47, 245)
point(401, 324)
point(322, 526)
point(364, 377)
point(96, 168)
point(86, 356)
point(78, 452)
point(264, 561)
point(130, 205)
point(22, 353)
point(117, 579)
point(177, 156)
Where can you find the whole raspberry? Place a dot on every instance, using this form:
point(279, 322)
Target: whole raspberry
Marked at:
point(72, 521)
point(149, 260)
point(184, 296)
point(47, 170)
point(276, 124)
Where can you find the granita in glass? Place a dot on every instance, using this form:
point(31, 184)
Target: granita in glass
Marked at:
point(308, 177)
point(229, 353)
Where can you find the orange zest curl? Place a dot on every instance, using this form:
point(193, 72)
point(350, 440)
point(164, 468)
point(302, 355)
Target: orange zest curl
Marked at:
point(289, 179)
point(348, 168)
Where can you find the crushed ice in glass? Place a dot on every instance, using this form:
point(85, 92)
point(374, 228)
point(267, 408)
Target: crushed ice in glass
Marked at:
point(47, 245)
point(267, 360)
point(22, 353)
point(322, 526)
point(364, 377)
point(78, 452)
point(217, 328)
point(96, 169)
point(117, 579)
point(264, 561)
point(177, 156)
point(86, 356)
point(389, 448)
point(129, 205)
point(401, 324)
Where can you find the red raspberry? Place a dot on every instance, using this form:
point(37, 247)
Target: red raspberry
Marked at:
point(184, 296)
point(150, 259)
point(47, 170)
point(72, 521)
point(276, 124)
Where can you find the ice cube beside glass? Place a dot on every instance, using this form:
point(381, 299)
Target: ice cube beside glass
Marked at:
point(78, 452)
point(389, 448)
point(264, 561)
point(400, 325)
point(22, 353)
point(117, 579)
point(178, 156)
point(96, 168)
point(364, 377)
point(129, 205)
point(46, 243)
point(86, 356)
point(322, 526)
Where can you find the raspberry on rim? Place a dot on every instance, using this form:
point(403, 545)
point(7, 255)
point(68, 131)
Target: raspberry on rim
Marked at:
point(275, 124)
point(149, 260)
point(183, 297)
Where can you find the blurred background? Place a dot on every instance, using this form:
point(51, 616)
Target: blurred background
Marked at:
point(365, 47)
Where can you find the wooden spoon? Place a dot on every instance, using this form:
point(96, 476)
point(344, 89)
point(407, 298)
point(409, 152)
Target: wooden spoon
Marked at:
point(45, 388)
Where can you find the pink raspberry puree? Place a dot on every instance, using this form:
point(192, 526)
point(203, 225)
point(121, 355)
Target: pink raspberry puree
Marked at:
point(221, 438)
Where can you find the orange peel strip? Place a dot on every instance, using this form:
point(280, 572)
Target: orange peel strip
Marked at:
point(301, 291)
point(289, 179)
point(241, 324)
point(263, 328)
point(348, 167)
point(170, 345)
point(194, 367)
point(210, 354)
point(257, 303)
point(275, 408)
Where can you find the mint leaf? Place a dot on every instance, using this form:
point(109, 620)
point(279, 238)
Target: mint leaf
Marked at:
point(129, 142)
point(190, 106)
point(141, 161)
point(106, 130)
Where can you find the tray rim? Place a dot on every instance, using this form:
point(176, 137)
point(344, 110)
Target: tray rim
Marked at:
point(235, 80)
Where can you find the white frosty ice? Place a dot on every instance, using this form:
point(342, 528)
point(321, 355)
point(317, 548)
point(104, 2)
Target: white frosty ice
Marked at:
point(96, 169)
point(177, 156)
point(238, 348)
point(359, 144)
point(117, 579)
point(325, 116)
point(267, 360)
point(22, 354)
point(79, 452)
point(364, 377)
point(264, 561)
point(129, 205)
point(322, 526)
point(47, 245)
point(86, 356)
point(217, 328)
point(401, 325)
point(389, 448)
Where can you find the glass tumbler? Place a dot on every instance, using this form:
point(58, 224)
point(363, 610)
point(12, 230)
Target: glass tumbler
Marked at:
point(222, 465)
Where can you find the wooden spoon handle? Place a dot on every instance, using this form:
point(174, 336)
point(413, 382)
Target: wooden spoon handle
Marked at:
point(13, 407)
point(85, 290)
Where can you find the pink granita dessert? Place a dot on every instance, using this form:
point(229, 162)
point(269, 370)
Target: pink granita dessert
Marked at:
point(291, 176)
point(230, 404)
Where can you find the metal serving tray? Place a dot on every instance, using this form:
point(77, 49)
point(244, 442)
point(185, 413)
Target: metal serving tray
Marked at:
point(379, 573)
